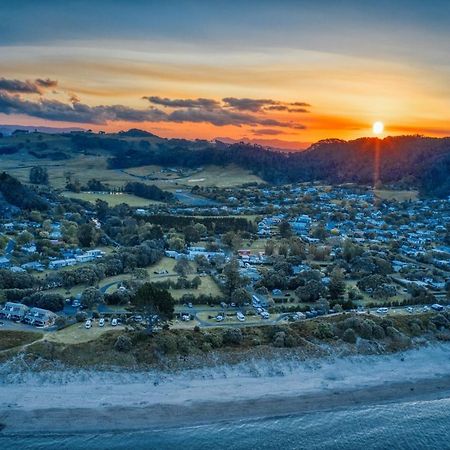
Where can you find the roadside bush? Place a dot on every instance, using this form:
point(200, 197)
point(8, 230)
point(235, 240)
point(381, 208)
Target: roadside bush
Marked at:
point(81, 316)
point(123, 344)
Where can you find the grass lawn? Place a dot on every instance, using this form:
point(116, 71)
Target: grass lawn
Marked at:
point(77, 333)
point(400, 196)
point(10, 339)
point(111, 199)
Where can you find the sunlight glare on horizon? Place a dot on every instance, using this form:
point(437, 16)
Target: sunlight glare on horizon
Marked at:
point(378, 127)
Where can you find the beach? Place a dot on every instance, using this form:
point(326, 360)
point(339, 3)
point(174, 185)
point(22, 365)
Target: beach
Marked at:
point(83, 401)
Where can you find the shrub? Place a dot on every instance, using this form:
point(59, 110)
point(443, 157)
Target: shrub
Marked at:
point(233, 336)
point(123, 344)
point(349, 336)
point(81, 316)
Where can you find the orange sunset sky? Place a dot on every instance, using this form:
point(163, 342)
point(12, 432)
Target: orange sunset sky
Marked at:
point(285, 71)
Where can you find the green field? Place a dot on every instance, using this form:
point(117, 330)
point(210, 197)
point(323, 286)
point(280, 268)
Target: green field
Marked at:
point(111, 199)
point(400, 196)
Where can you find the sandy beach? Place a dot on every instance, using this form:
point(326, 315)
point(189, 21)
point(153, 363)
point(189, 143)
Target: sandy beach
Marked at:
point(62, 401)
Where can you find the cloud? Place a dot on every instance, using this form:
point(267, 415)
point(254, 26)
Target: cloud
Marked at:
point(198, 110)
point(248, 104)
point(183, 103)
point(46, 83)
point(267, 132)
point(27, 87)
point(301, 104)
point(76, 112)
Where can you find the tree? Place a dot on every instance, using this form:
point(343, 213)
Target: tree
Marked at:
point(351, 250)
point(269, 247)
point(176, 243)
point(85, 234)
point(297, 247)
point(285, 229)
point(233, 279)
point(311, 291)
point(156, 304)
point(91, 296)
point(336, 286)
point(38, 175)
point(232, 240)
point(24, 238)
point(182, 267)
point(201, 229)
point(241, 296)
point(191, 234)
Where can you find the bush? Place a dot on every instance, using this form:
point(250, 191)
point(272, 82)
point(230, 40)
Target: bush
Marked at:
point(81, 316)
point(349, 336)
point(279, 339)
point(167, 343)
point(233, 336)
point(378, 332)
point(123, 344)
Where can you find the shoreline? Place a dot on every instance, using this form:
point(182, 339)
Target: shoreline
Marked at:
point(67, 401)
point(158, 416)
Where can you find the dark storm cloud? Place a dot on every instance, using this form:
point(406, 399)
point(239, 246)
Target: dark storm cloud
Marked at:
point(183, 103)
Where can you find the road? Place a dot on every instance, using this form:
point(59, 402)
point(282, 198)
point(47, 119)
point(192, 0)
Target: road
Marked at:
point(10, 246)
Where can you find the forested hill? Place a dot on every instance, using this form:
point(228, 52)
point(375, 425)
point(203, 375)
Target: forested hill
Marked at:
point(407, 160)
point(410, 161)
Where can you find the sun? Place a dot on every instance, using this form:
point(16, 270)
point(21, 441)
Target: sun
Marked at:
point(378, 127)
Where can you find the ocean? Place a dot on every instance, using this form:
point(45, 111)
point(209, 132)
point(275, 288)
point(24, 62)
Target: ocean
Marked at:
point(405, 425)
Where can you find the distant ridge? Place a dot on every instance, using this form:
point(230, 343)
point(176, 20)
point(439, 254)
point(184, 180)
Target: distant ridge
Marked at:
point(136, 132)
point(9, 129)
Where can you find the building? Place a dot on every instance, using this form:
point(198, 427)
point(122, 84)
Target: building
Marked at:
point(40, 317)
point(13, 311)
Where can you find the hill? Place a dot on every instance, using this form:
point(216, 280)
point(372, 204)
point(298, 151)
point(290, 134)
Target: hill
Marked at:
point(406, 161)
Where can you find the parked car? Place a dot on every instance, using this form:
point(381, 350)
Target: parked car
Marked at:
point(114, 322)
point(101, 322)
point(382, 310)
point(240, 316)
point(219, 318)
point(265, 315)
point(437, 307)
point(88, 324)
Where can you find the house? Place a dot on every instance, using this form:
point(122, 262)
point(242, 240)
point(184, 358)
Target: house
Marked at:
point(13, 311)
point(59, 263)
point(34, 265)
point(40, 317)
point(4, 262)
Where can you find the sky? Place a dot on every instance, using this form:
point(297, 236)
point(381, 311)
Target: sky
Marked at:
point(286, 73)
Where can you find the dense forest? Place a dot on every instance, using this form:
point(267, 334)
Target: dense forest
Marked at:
point(405, 160)
point(17, 194)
